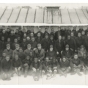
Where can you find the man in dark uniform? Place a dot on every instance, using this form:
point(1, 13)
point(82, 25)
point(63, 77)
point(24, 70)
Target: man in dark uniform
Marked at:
point(40, 53)
point(59, 45)
point(28, 40)
point(71, 42)
point(35, 67)
point(17, 65)
point(64, 66)
point(8, 51)
point(52, 41)
point(51, 53)
point(12, 36)
point(24, 44)
point(16, 51)
point(29, 52)
point(26, 65)
point(14, 44)
point(57, 33)
point(45, 43)
point(33, 43)
point(46, 32)
point(67, 53)
point(38, 37)
point(6, 66)
point(79, 40)
point(76, 65)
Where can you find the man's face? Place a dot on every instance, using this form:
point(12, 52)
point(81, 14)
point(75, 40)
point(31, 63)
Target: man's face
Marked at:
point(17, 47)
point(51, 48)
point(15, 40)
point(79, 34)
point(51, 37)
point(8, 40)
point(24, 40)
point(67, 48)
point(83, 33)
point(75, 56)
point(38, 34)
point(46, 36)
point(68, 37)
point(72, 34)
point(64, 59)
point(8, 47)
point(33, 39)
point(39, 47)
point(28, 46)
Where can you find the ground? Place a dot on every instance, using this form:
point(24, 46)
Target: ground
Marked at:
point(61, 80)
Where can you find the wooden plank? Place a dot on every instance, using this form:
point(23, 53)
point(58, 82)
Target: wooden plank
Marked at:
point(30, 16)
point(65, 16)
point(2, 10)
point(45, 16)
point(39, 15)
point(14, 15)
point(56, 17)
point(81, 16)
point(49, 17)
point(85, 12)
point(22, 15)
point(6, 15)
point(73, 16)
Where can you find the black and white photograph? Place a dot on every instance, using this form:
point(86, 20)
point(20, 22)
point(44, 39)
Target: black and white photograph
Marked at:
point(44, 44)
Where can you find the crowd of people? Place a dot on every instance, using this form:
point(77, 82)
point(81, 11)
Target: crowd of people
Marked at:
point(60, 52)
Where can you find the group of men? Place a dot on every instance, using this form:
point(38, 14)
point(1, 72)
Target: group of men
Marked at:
point(37, 54)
